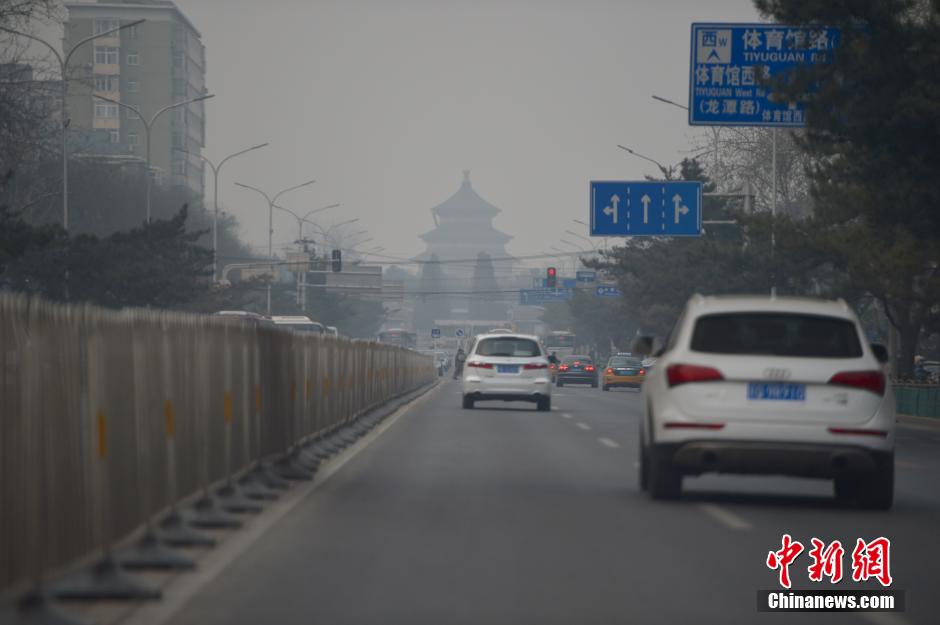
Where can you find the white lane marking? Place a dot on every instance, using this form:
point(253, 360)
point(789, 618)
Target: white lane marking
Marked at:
point(606, 442)
point(180, 589)
point(566, 415)
point(883, 618)
point(583, 426)
point(725, 517)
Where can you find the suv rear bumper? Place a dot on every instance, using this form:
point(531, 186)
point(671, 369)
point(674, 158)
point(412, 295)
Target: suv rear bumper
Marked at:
point(770, 458)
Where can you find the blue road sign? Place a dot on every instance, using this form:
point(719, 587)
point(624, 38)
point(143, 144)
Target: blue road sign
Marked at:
point(586, 276)
point(435, 333)
point(563, 283)
point(728, 64)
point(460, 333)
point(538, 297)
point(644, 208)
point(606, 290)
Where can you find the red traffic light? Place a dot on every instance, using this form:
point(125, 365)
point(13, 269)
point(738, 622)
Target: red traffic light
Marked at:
point(551, 272)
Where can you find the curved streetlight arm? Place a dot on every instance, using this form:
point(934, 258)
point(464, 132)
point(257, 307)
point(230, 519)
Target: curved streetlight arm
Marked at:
point(589, 242)
point(178, 104)
point(320, 210)
point(297, 186)
point(45, 43)
point(567, 242)
point(667, 101)
point(129, 107)
point(231, 156)
point(256, 190)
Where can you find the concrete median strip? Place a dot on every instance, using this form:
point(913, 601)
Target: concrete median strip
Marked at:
point(184, 587)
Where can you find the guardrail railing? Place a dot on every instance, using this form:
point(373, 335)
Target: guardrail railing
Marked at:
point(109, 418)
point(918, 400)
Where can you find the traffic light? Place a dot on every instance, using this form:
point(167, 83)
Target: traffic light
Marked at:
point(551, 278)
point(337, 261)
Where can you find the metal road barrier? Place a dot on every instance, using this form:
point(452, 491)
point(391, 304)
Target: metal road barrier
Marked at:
point(918, 400)
point(109, 418)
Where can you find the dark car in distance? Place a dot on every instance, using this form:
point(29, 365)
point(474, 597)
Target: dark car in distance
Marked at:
point(576, 370)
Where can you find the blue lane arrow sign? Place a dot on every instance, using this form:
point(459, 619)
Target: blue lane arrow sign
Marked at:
point(645, 208)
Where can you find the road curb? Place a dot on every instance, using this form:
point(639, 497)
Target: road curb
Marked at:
point(925, 422)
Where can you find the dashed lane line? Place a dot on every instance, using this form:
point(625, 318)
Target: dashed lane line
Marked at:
point(725, 517)
point(606, 442)
point(583, 426)
point(566, 415)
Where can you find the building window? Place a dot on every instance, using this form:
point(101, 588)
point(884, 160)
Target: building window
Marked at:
point(133, 86)
point(177, 140)
point(131, 32)
point(106, 56)
point(133, 58)
point(115, 136)
point(179, 86)
point(179, 167)
point(132, 114)
point(106, 24)
point(106, 82)
point(133, 139)
point(103, 110)
point(179, 58)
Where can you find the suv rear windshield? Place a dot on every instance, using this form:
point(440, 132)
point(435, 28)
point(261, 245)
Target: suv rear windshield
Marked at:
point(776, 334)
point(509, 346)
point(573, 359)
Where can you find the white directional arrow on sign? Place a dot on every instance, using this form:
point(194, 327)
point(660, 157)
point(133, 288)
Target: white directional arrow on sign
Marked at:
point(680, 208)
point(611, 211)
point(646, 208)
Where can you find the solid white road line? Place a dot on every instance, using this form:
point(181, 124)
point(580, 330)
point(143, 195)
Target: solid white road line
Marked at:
point(583, 426)
point(725, 517)
point(183, 587)
point(606, 442)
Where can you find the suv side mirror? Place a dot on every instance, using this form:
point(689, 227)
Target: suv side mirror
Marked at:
point(642, 345)
point(881, 352)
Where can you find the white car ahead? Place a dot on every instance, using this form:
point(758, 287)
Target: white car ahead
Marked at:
point(761, 385)
point(507, 367)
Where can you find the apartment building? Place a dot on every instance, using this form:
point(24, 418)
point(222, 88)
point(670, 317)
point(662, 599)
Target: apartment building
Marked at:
point(149, 66)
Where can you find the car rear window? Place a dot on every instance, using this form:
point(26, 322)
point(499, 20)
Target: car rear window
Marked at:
point(625, 362)
point(573, 359)
point(776, 334)
point(517, 347)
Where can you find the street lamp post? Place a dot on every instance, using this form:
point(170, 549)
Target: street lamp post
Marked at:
point(148, 127)
point(64, 122)
point(301, 280)
point(216, 169)
point(666, 171)
point(271, 201)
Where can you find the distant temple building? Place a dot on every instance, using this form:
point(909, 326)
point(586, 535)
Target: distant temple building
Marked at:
point(464, 228)
point(463, 231)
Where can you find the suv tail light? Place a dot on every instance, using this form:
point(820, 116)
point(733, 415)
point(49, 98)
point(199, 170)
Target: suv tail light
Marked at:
point(610, 371)
point(563, 367)
point(480, 365)
point(682, 374)
point(589, 368)
point(873, 381)
point(535, 365)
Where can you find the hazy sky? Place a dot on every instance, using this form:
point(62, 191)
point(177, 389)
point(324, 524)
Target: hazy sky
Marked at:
point(386, 102)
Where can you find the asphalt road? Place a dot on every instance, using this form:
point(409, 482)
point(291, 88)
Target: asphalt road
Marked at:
point(506, 515)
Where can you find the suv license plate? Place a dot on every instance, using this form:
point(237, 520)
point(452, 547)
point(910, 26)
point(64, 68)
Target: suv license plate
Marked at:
point(507, 368)
point(776, 391)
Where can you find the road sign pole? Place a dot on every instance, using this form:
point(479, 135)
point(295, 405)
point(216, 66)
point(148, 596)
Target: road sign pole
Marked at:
point(773, 216)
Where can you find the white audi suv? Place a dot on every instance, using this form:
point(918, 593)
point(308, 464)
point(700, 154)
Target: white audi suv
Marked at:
point(764, 385)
